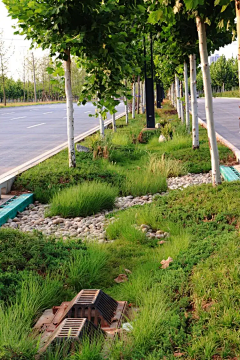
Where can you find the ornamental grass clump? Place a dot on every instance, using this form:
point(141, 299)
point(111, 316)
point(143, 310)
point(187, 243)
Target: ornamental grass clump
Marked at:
point(83, 200)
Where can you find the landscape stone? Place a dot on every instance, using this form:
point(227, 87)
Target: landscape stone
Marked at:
point(81, 148)
point(162, 138)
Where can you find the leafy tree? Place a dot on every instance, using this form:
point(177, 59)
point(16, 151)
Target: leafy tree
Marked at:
point(60, 27)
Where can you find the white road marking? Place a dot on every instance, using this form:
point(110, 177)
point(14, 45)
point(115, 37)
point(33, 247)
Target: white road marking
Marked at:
point(8, 113)
point(50, 112)
point(21, 117)
point(87, 112)
point(29, 127)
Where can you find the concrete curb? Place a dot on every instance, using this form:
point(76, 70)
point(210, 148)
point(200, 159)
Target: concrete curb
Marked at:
point(223, 141)
point(223, 97)
point(7, 179)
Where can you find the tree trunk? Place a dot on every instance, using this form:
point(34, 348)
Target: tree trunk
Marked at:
point(101, 122)
point(186, 96)
point(177, 89)
point(238, 36)
point(194, 104)
point(144, 98)
point(3, 82)
point(181, 103)
point(216, 176)
point(114, 126)
point(133, 98)
point(126, 105)
point(138, 96)
point(70, 119)
point(34, 79)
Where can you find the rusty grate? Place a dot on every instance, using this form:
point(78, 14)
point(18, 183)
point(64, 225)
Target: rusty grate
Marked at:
point(75, 329)
point(95, 305)
point(72, 330)
point(89, 312)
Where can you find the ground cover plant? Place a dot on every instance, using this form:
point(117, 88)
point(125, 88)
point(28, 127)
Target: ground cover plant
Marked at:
point(188, 310)
point(126, 159)
point(172, 312)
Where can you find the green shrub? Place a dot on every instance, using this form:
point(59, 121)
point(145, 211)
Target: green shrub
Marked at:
point(82, 200)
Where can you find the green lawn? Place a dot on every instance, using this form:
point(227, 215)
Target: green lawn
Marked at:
point(190, 310)
point(127, 159)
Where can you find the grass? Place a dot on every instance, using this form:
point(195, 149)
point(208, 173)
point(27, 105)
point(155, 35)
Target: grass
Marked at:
point(127, 159)
point(85, 268)
point(16, 104)
point(144, 182)
point(234, 94)
point(165, 166)
point(82, 200)
point(189, 308)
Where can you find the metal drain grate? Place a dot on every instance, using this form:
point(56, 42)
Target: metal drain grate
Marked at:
point(7, 202)
point(76, 329)
point(72, 330)
point(95, 305)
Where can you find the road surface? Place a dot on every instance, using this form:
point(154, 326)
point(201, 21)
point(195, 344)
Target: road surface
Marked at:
point(226, 118)
point(28, 131)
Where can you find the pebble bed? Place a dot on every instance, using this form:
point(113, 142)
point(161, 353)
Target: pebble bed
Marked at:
point(91, 227)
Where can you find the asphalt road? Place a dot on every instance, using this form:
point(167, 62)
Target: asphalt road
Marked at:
point(226, 118)
point(28, 131)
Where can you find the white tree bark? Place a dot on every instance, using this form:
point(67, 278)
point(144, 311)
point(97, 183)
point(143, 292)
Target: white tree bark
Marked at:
point(172, 94)
point(216, 176)
point(237, 2)
point(34, 79)
point(70, 119)
point(194, 104)
point(114, 126)
point(101, 123)
point(133, 99)
point(186, 96)
point(181, 103)
point(177, 89)
point(144, 98)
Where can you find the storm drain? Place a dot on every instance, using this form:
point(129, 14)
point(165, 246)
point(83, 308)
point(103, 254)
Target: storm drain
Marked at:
point(229, 173)
point(90, 311)
point(72, 331)
point(96, 306)
point(10, 208)
point(75, 329)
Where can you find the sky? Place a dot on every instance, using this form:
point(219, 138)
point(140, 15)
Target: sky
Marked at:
point(20, 47)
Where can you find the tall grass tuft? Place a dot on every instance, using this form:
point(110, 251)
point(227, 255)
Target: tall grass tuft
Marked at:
point(17, 319)
point(82, 200)
point(84, 269)
point(144, 182)
point(166, 167)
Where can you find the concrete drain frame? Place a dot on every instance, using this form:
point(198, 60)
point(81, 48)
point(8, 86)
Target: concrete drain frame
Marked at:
point(229, 173)
point(92, 313)
point(15, 204)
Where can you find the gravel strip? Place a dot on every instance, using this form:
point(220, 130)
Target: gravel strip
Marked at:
point(91, 227)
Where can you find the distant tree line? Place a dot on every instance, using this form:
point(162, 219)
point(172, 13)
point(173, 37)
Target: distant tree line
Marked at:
point(224, 75)
point(49, 87)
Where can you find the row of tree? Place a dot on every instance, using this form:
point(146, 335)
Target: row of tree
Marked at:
point(110, 40)
point(35, 82)
point(224, 75)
